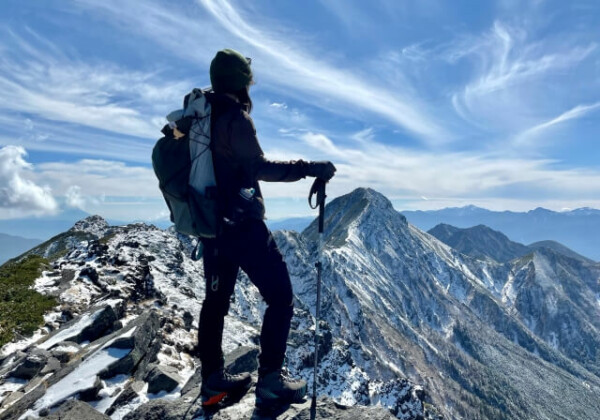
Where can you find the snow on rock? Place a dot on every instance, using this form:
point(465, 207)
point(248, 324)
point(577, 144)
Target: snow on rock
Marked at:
point(80, 379)
point(67, 334)
point(95, 225)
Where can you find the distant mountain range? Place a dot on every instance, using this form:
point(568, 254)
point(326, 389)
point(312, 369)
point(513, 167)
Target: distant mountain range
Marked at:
point(11, 246)
point(42, 227)
point(578, 229)
point(293, 223)
point(483, 242)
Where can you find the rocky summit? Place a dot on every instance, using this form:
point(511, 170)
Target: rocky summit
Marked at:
point(411, 328)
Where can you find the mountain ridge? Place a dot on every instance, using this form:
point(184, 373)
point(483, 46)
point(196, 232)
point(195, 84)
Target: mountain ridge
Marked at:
point(397, 304)
point(577, 229)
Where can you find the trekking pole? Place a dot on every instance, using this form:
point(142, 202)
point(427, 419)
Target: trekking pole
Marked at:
point(318, 187)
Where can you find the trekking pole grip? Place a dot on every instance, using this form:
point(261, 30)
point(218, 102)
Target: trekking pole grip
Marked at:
point(318, 188)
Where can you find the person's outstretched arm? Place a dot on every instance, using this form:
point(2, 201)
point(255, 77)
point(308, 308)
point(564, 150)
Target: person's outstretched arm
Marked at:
point(249, 153)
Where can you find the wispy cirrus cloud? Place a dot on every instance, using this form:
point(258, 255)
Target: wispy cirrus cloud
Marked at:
point(38, 79)
point(290, 65)
point(281, 62)
point(528, 137)
point(508, 87)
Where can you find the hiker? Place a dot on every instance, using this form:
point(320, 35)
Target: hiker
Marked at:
point(244, 241)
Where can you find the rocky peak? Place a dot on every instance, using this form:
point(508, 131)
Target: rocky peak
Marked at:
point(364, 210)
point(96, 225)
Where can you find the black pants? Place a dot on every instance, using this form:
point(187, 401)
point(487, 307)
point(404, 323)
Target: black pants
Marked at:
point(251, 247)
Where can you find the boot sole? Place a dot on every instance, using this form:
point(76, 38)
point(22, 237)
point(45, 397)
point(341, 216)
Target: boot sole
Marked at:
point(274, 403)
point(214, 400)
point(211, 399)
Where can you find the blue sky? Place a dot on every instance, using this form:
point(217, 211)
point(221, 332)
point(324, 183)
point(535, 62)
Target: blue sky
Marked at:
point(433, 103)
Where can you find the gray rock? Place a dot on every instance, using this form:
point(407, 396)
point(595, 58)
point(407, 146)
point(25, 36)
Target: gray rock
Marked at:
point(91, 394)
point(151, 356)
point(63, 353)
point(147, 325)
point(15, 410)
point(76, 410)
point(52, 365)
point(101, 325)
point(14, 396)
point(160, 410)
point(162, 378)
point(29, 367)
point(242, 359)
point(129, 393)
point(327, 409)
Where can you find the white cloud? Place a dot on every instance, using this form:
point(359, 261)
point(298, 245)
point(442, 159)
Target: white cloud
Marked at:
point(529, 135)
point(451, 177)
point(279, 105)
point(74, 198)
point(19, 195)
point(96, 178)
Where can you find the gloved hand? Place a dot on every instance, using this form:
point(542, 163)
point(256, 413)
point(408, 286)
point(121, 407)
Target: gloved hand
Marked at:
point(323, 170)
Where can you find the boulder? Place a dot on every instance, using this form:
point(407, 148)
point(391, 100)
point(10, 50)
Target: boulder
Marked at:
point(161, 410)
point(14, 396)
point(65, 351)
point(129, 393)
point(52, 365)
point(242, 359)
point(91, 394)
point(29, 367)
point(162, 378)
point(146, 329)
point(102, 324)
point(76, 410)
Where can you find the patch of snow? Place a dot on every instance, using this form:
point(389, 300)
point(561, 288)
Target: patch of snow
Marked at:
point(110, 391)
point(126, 320)
point(83, 322)
point(66, 348)
point(131, 405)
point(80, 293)
point(45, 284)
point(509, 294)
point(553, 340)
point(83, 377)
point(10, 348)
point(11, 385)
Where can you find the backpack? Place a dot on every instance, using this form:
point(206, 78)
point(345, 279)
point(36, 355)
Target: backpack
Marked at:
point(182, 162)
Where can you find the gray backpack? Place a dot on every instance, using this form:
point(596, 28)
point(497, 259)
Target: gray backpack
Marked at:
point(182, 162)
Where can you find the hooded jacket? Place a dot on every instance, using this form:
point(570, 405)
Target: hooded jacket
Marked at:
point(239, 161)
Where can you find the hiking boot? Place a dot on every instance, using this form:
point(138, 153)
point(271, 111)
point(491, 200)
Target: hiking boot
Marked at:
point(221, 384)
point(276, 388)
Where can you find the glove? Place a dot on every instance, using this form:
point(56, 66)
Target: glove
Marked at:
point(323, 170)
